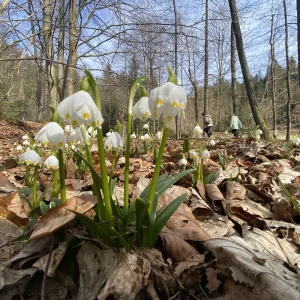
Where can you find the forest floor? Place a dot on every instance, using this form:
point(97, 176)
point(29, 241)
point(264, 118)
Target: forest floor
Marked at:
point(236, 237)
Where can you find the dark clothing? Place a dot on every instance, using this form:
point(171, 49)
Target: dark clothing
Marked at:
point(235, 133)
point(208, 130)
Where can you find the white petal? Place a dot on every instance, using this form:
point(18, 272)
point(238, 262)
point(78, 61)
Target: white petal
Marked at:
point(30, 157)
point(52, 162)
point(114, 141)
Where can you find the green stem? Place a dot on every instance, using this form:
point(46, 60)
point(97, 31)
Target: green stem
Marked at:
point(127, 156)
point(112, 166)
point(63, 195)
point(54, 193)
point(105, 185)
point(27, 181)
point(157, 165)
point(96, 188)
point(34, 191)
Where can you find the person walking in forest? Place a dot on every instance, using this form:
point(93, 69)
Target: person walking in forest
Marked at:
point(208, 124)
point(235, 125)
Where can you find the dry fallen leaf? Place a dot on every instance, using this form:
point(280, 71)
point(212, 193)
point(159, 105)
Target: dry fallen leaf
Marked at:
point(267, 242)
point(18, 210)
point(271, 279)
point(175, 247)
point(61, 215)
point(182, 223)
point(213, 281)
point(56, 257)
point(108, 273)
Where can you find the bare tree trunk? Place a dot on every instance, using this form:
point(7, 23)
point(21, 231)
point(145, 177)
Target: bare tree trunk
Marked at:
point(70, 73)
point(176, 59)
point(3, 5)
point(298, 38)
point(48, 52)
point(193, 81)
point(272, 72)
point(233, 72)
point(206, 60)
point(258, 118)
point(288, 104)
point(38, 94)
point(61, 50)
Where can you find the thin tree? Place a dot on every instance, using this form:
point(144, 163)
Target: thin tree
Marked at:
point(272, 73)
point(298, 38)
point(176, 57)
point(233, 71)
point(206, 60)
point(288, 104)
point(258, 118)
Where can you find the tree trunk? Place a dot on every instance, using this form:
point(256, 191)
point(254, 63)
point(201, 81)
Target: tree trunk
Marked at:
point(61, 51)
point(272, 73)
point(38, 93)
point(233, 72)
point(258, 118)
point(193, 81)
point(288, 104)
point(70, 73)
point(206, 61)
point(48, 52)
point(298, 38)
point(176, 59)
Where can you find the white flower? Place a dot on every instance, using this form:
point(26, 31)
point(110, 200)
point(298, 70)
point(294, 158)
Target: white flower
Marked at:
point(147, 137)
point(258, 132)
point(158, 136)
point(133, 136)
point(92, 132)
point(30, 157)
point(205, 154)
point(225, 132)
point(73, 147)
point(168, 100)
point(108, 134)
point(114, 141)
point(68, 128)
point(79, 109)
point(52, 162)
point(297, 158)
point(141, 109)
point(211, 143)
point(142, 138)
point(26, 143)
point(19, 148)
point(146, 126)
point(51, 135)
point(76, 136)
point(182, 162)
point(25, 137)
point(193, 154)
point(275, 132)
point(197, 131)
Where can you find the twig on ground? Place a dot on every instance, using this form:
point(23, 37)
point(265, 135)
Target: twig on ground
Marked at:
point(46, 269)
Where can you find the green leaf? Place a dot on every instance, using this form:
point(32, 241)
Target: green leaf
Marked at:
point(163, 217)
point(121, 238)
point(97, 230)
point(136, 85)
point(25, 191)
point(163, 182)
point(186, 146)
point(141, 209)
point(43, 207)
point(121, 228)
